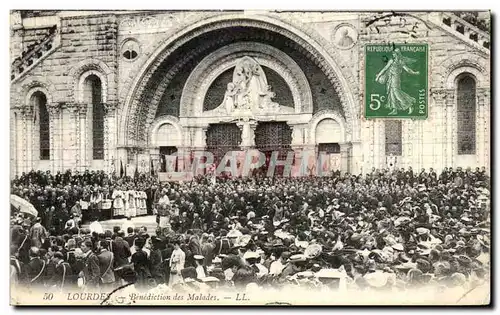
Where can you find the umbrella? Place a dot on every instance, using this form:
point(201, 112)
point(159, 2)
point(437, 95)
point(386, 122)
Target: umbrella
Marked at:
point(23, 205)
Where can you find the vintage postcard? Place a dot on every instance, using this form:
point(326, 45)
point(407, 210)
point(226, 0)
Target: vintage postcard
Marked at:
point(250, 158)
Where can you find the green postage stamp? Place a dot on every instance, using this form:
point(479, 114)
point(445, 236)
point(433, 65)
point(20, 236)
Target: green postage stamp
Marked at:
point(396, 81)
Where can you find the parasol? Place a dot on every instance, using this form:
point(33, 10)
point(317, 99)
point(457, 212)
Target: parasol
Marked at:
point(23, 205)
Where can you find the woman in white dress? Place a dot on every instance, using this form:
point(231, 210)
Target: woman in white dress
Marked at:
point(177, 261)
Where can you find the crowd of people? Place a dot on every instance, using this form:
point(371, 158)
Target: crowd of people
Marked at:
point(384, 230)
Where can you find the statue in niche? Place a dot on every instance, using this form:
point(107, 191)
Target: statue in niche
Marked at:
point(249, 90)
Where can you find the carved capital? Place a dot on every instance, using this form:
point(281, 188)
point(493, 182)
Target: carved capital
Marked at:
point(54, 110)
point(81, 108)
point(110, 107)
point(442, 96)
point(26, 111)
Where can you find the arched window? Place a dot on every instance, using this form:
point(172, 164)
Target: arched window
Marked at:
point(42, 123)
point(93, 96)
point(466, 115)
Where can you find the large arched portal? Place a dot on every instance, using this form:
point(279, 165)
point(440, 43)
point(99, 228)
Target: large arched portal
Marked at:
point(190, 78)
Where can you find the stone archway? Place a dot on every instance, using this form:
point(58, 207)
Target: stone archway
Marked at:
point(312, 44)
point(225, 58)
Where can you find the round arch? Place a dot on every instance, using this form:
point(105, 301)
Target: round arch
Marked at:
point(34, 90)
point(26, 90)
point(313, 44)
point(160, 122)
point(212, 66)
point(81, 71)
point(81, 86)
point(452, 67)
point(319, 117)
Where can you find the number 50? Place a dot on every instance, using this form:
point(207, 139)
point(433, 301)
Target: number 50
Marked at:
point(375, 101)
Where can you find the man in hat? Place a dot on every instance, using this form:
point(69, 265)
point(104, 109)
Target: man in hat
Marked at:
point(296, 263)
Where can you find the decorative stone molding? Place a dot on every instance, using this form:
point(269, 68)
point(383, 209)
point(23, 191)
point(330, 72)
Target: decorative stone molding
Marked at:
point(110, 108)
point(160, 121)
point(81, 71)
point(452, 67)
point(327, 114)
point(82, 109)
point(54, 111)
point(23, 92)
point(441, 95)
point(312, 43)
point(211, 67)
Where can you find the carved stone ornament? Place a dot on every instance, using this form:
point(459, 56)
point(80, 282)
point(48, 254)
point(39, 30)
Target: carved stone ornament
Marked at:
point(249, 94)
point(344, 36)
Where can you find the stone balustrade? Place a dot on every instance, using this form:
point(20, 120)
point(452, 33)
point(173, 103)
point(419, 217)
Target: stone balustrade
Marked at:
point(466, 30)
point(28, 58)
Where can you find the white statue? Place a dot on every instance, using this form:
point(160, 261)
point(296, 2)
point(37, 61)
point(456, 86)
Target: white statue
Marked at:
point(249, 89)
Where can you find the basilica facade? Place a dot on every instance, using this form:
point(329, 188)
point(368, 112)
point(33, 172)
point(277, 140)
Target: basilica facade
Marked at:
point(98, 90)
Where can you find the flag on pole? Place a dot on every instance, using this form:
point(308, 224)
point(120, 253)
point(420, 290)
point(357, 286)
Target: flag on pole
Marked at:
point(121, 169)
point(136, 173)
point(152, 166)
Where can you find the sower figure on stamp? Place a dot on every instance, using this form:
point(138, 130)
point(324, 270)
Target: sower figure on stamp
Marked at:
point(390, 75)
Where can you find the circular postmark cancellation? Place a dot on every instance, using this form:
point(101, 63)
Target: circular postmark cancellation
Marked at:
point(345, 36)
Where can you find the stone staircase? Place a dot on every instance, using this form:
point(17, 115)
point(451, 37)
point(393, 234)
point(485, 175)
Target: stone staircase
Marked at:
point(34, 53)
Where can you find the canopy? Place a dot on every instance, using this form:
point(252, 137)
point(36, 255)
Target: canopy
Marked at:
point(23, 205)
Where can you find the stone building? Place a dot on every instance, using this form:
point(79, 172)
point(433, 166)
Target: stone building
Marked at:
point(95, 90)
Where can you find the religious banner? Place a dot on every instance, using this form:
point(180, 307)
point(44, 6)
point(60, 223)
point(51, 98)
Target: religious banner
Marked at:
point(335, 162)
point(396, 81)
point(175, 177)
point(170, 163)
point(143, 163)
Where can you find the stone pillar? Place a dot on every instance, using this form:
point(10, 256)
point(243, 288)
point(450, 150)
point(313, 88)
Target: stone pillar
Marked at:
point(84, 134)
point(109, 135)
point(28, 138)
point(15, 147)
point(357, 158)
point(55, 131)
point(450, 123)
point(483, 128)
point(345, 156)
point(441, 146)
point(71, 118)
point(247, 128)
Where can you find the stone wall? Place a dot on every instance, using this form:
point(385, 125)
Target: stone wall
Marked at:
point(95, 43)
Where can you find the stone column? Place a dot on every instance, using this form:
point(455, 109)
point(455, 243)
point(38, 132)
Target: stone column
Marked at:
point(109, 134)
point(450, 130)
point(71, 117)
point(28, 137)
point(247, 128)
point(15, 147)
point(56, 146)
point(84, 134)
point(345, 156)
point(483, 128)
